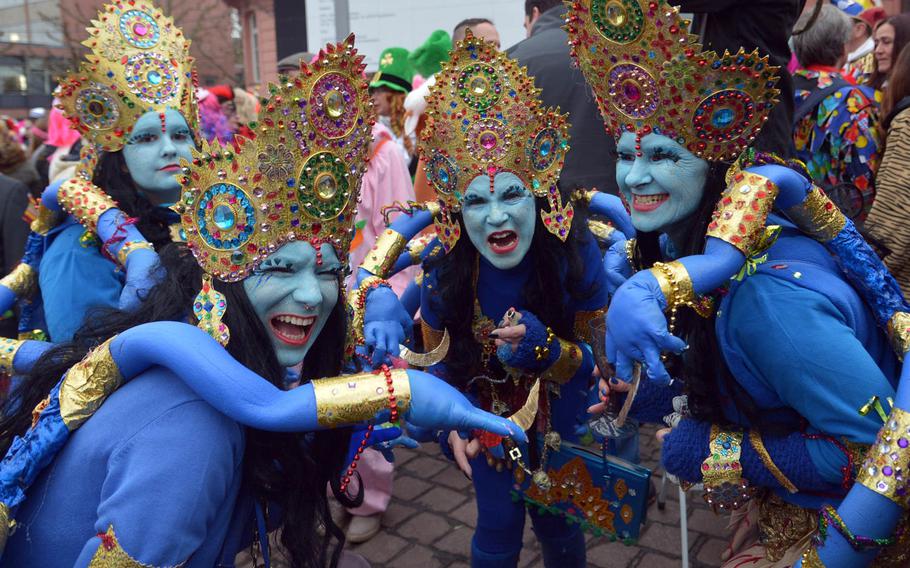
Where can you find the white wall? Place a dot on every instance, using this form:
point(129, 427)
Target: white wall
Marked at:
point(407, 23)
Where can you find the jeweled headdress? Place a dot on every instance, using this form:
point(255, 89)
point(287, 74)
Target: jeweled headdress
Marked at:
point(299, 180)
point(650, 74)
point(484, 117)
point(139, 62)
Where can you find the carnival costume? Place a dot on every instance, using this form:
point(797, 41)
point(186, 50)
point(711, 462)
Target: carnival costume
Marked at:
point(134, 458)
point(139, 62)
point(801, 328)
point(484, 118)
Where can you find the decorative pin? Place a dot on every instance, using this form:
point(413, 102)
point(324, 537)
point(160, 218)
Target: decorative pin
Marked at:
point(209, 307)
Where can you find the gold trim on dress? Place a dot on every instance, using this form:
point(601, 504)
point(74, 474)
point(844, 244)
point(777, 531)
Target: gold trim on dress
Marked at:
point(818, 216)
point(87, 385)
point(111, 555)
point(759, 446)
point(350, 399)
point(566, 365)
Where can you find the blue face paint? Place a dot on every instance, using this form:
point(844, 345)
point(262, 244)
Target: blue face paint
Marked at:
point(500, 223)
point(664, 185)
point(294, 296)
point(153, 151)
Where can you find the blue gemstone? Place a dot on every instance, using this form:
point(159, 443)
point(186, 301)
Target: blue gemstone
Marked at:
point(443, 175)
point(223, 217)
point(154, 77)
point(722, 118)
point(546, 147)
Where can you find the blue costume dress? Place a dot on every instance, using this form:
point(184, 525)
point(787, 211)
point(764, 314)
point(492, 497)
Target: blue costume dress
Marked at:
point(500, 518)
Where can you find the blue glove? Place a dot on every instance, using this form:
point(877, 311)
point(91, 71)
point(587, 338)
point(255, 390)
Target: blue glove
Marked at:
point(793, 187)
point(524, 356)
point(386, 324)
point(611, 207)
point(637, 328)
point(617, 266)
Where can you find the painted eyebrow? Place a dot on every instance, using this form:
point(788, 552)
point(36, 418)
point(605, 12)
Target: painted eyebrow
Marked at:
point(277, 262)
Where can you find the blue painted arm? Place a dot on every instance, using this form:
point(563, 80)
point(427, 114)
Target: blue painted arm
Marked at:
point(611, 207)
point(410, 299)
point(407, 225)
point(27, 354)
point(34, 249)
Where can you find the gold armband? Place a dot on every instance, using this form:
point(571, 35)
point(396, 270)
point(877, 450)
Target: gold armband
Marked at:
point(759, 446)
point(887, 467)
point(740, 216)
point(584, 195)
point(722, 473)
point(356, 398)
point(600, 229)
point(44, 221)
point(84, 201)
point(899, 332)
point(566, 365)
point(582, 327)
point(111, 554)
point(676, 286)
point(131, 246)
point(8, 349)
point(23, 281)
point(87, 385)
point(818, 216)
point(385, 252)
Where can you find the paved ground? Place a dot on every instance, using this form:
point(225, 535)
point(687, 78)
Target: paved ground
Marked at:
point(431, 518)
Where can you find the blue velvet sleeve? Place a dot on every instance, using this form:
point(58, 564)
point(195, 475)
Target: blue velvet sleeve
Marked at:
point(164, 489)
point(75, 279)
point(801, 348)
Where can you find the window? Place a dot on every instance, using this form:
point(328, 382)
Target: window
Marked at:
point(254, 47)
point(31, 21)
point(12, 76)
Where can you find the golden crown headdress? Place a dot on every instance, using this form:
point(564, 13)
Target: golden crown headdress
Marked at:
point(650, 74)
point(139, 62)
point(484, 116)
point(298, 181)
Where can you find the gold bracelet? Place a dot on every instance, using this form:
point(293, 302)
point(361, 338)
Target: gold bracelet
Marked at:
point(566, 365)
point(584, 195)
point(385, 252)
point(899, 332)
point(600, 229)
point(887, 467)
point(356, 398)
point(44, 221)
point(817, 216)
point(632, 254)
point(675, 283)
point(722, 473)
point(811, 559)
point(759, 446)
point(357, 304)
point(582, 326)
point(23, 281)
point(87, 385)
point(8, 349)
point(131, 246)
point(84, 201)
point(740, 215)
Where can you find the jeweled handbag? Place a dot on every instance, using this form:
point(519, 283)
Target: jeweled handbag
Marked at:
point(606, 495)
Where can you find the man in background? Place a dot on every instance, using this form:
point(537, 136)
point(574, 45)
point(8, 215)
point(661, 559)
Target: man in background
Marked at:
point(480, 27)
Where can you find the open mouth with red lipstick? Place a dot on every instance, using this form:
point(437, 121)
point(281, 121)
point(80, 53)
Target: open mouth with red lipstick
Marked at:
point(645, 203)
point(291, 329)
point(503, 242)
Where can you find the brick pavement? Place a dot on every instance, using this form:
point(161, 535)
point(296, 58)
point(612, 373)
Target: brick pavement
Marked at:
point(431, 518)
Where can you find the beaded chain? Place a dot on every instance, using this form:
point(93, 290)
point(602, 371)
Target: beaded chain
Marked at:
point(830, 517)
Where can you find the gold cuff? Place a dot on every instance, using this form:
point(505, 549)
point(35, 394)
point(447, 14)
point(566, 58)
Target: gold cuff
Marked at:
point(887, 467)
point(722, 472)
point(45, 221)
point(740, 216)
point(817, 216)
point(811, 558)
point(584, 195)
point(675, 283)
point(566, 365)
point(759, 446)
point(111, 554)
point(385, 252)
point(600, 229)
point(356, 398)
point(84, 201)
point(87, 385)
point(899, 332)
point(131, 246)
point(582, 327)
point(23, 281)
point(8, 349)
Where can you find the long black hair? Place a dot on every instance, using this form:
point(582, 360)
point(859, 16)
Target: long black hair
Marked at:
point(286, 469)
point(112, 175)
point(454, 297)
point(702, 367)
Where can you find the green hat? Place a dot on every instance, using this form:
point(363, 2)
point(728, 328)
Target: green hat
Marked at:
point(395, 72)
point(427, 59)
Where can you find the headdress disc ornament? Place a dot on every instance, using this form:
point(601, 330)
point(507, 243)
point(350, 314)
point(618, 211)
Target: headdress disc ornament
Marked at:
point(484, 117)
point(299, 180)
point(650, 75)
point(139, 62)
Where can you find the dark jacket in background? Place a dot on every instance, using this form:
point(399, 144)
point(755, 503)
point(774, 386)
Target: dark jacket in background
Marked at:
point(763, 24)
point(13, 234)
point(591, 160)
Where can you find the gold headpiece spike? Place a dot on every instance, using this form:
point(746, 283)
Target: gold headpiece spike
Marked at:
point(649, 74)
point(524, 418)
point(299, 180)
point(139, 62)
point(484, 117)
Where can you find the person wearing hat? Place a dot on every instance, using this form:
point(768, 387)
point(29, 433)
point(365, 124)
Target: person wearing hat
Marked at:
point(388, 88)
point(290, 65)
